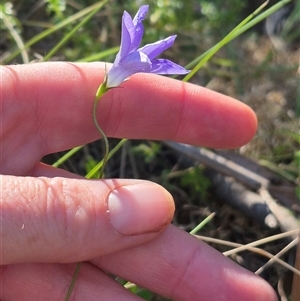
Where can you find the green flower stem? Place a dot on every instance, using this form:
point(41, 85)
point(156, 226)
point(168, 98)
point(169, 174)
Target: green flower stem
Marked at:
point(100, 92)
point(73, 281)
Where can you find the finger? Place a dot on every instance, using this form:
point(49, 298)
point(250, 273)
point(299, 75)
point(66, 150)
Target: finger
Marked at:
point(39, 282)
point(69, 220)
point(194, 271)
point(47, 107)
point(44, 170)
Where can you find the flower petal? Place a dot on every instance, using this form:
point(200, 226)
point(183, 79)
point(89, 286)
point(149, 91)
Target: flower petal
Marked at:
point(141, 14)
point(139, 27)
point(127, 34)
point(164, 66)
point(135, 62)
point(130, 60)
point(155, 49)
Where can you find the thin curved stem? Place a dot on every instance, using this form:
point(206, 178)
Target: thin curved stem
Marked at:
point(105, 140)
point(73, 281)
point(96, 168)
point(101, 90)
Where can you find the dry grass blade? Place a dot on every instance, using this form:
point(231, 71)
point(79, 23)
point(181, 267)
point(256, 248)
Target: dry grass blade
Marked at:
point(261, 241)
point(283, 251)
point(296, 279)
point(252, 247)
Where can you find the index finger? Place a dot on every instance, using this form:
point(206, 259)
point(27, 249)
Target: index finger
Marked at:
point(52, 103)
point(180, 267)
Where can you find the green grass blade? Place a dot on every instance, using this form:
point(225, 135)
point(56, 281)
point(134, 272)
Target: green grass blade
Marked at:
point(203, 223)
point(100, 55)
point(55, 28)
point(93, 172)
point(64, 40)
point(96, 168)
point(15, 35)
point(208, 54)
point(261, 17)
point(245, 25)
point(67, 156)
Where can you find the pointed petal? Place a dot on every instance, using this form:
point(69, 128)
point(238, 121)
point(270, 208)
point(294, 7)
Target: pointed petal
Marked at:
point(126, 37)
point(137, 38)
point(139, 27)
point(163, 66)
point(135, 62)
point(132, 32)
point(155, 49)
point(141, 14)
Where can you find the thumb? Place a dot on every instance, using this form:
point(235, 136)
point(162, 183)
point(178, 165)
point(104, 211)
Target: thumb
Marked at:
point(68, 220)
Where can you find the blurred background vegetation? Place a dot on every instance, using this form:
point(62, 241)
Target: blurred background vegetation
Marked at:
point(260, 68)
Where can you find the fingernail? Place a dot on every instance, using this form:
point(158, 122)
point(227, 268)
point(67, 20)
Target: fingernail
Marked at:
point(140, 208)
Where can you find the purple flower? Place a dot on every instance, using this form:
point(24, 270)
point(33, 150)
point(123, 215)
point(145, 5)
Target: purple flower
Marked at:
point(131, 59)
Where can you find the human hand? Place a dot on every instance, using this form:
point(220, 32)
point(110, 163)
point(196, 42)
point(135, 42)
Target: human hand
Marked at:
point(51, 219)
